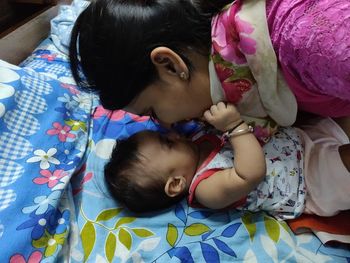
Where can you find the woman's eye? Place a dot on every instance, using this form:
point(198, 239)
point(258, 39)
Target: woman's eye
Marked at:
point(153, 115)
point(169, 142)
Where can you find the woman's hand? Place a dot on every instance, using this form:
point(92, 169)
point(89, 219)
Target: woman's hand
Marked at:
point(223, 116)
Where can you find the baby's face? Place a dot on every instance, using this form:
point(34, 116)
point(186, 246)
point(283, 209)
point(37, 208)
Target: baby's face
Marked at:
point(169, 154)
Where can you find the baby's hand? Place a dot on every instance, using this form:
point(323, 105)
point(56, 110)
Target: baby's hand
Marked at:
point(222, 116)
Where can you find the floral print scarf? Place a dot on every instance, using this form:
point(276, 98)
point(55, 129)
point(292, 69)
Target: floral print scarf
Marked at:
point(245, 65)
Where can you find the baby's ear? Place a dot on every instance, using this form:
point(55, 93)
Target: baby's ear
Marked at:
point(175, 185)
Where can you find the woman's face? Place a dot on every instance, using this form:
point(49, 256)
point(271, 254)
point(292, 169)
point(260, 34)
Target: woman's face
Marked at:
point(175, 100)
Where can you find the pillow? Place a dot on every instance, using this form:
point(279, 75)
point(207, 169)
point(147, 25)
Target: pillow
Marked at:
point(62, 24)
point(48, 60)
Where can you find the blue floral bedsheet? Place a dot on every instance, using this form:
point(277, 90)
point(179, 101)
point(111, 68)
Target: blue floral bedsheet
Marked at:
point(44, 135)
point(54, 206)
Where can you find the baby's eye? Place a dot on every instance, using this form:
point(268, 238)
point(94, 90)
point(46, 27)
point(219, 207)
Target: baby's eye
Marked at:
point(164, 140)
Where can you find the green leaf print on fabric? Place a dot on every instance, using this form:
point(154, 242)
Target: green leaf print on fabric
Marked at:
point(108, 214)
point(196, 229)
point(247, 220)
point(272, 228)
point(172, 234)
point(142, 232)
point(124, 220)
point(88, 236)
point(110, 246)
point(125, 238)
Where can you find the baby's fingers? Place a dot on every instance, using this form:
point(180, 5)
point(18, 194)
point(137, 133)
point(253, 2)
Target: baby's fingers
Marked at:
point(231, 107)
point(214, 110)
point(208, 116)
point(221, 106)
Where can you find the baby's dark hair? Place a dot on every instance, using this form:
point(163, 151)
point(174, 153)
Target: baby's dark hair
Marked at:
point(114, 39)
point(132, 183)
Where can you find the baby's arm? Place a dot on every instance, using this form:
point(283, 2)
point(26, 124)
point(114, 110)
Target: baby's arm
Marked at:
point(230, 185)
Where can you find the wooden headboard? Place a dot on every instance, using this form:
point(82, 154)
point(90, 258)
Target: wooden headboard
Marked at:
point(19, 44)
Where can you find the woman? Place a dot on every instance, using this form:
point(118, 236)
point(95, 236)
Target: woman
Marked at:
point(152, 57)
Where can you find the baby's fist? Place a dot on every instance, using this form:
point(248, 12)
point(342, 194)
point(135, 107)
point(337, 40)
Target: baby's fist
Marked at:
point(222, 116)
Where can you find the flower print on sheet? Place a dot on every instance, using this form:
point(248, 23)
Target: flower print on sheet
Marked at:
point(66, 151)
point(50, 242)
point(80, 100)
point(35, 257)
point(43, 203)
point(45, 158)
point(50, 178)
point(38, 223)
point(62, 131)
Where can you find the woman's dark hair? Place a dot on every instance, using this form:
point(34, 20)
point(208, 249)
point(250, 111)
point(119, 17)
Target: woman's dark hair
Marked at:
point(125, 176)
point(112, 40)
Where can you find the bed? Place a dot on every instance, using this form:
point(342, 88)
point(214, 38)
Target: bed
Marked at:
point(54, 206)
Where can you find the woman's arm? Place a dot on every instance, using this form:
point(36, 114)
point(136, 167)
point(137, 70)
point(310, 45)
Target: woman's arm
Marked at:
point(227, 186)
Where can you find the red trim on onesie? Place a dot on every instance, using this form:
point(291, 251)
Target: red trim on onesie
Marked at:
point(191, 198)
point(217, 143)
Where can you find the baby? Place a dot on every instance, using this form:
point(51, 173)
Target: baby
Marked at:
point(296, 171)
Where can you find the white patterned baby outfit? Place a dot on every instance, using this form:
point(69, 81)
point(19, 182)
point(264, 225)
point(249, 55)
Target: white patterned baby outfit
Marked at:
point(282, 192)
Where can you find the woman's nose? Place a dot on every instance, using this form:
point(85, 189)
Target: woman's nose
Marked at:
point(165, 124)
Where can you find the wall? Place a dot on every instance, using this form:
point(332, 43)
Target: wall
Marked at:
point(6, 13)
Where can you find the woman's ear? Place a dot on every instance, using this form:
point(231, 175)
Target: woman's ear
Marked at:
point(175, 185)
point(168, 62)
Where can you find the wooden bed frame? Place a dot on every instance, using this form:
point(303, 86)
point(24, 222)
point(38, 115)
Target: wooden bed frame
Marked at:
point(18, 45)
